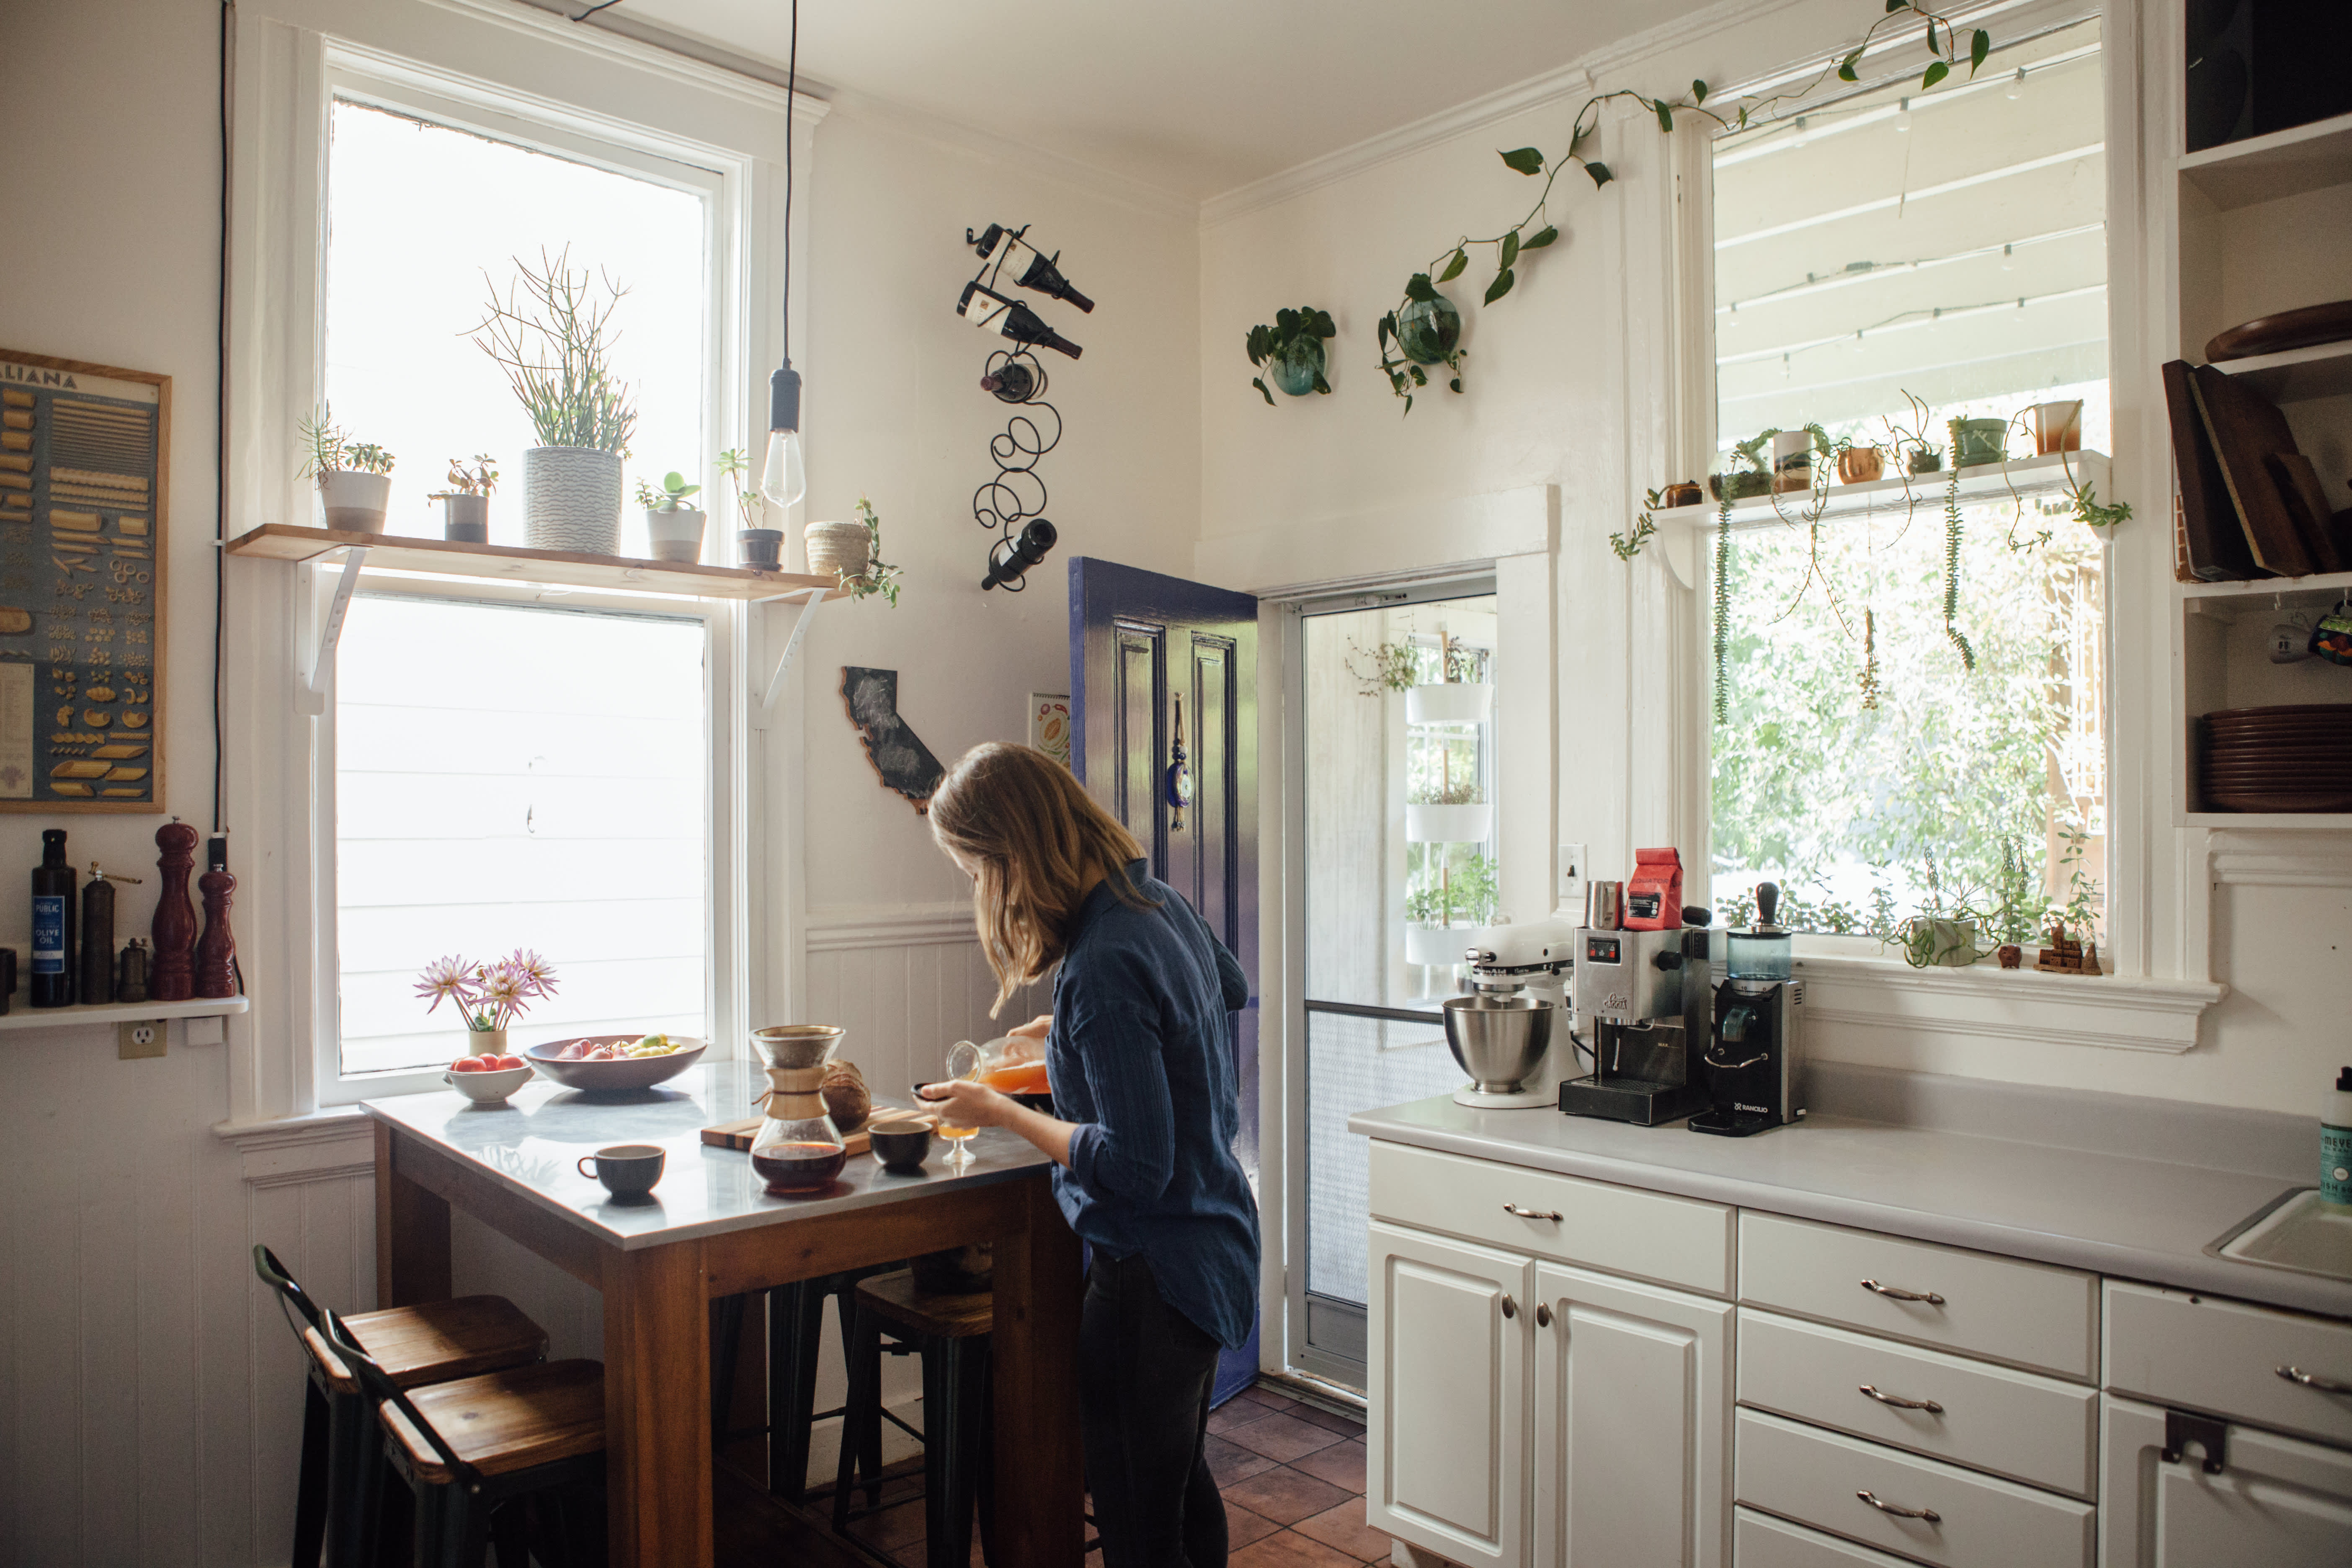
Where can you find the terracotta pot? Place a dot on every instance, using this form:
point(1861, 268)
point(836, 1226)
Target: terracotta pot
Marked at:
point(1860, 465)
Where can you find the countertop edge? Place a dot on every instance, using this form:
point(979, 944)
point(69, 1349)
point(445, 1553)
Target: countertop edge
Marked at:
point(2204, 1272)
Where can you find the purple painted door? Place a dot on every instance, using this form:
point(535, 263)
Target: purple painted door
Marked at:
point(1143, 647)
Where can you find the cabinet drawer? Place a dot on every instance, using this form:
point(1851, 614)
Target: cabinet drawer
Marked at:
point(1759, 1541)
point(1998, 1308)
point(1678, 1241)
point(2226, 1357)
point(2015, 1424)
point(1816, 1477)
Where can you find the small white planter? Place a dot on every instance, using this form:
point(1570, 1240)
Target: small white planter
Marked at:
point(676, 535)
point(1952, 944)
point(354, 502)
point(571, 500)
point(833, 547)
point(1459, 703)
point(1436, 944)
point(1448, 824)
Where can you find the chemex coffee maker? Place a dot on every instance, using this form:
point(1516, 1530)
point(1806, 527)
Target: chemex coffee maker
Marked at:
point(1507, 1031)
point(1641, 989)
point(1750, 1067)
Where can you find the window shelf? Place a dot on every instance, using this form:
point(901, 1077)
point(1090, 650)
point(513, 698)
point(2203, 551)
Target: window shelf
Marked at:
point(22, 1015)
point(556, 568)
point(2295, 376)
point(2274, 821)
point(2266, 595)
point(2264, 168)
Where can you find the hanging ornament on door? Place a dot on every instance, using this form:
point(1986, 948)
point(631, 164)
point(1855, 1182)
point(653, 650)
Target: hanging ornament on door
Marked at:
point(1179, 775)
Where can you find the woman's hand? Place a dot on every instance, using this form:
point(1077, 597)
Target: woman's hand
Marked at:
point(1027, 1043)
point(963, 1103)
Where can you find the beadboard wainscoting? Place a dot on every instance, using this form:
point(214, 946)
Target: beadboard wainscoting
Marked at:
point(907, 982)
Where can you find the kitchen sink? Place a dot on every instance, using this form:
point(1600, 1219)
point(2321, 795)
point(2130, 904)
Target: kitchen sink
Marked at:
point(2294, 1230)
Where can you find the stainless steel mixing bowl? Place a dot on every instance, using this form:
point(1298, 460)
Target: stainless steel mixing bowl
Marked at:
point(1500, 1040)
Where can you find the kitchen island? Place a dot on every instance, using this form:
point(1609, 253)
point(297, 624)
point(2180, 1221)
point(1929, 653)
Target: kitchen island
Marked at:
point(710, 1231)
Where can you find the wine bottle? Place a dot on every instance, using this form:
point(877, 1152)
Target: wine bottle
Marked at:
point(992, 312)
point(1031, 269)
point(53, 924)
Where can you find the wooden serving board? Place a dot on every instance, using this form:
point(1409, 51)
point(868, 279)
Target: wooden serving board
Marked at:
point(739, 1135)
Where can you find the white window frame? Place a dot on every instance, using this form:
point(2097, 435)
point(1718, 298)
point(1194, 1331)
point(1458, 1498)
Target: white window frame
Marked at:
point(529, 77)
point(2157, 986)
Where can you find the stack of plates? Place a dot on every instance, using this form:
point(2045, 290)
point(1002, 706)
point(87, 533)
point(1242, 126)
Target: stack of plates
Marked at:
point(2280, 759)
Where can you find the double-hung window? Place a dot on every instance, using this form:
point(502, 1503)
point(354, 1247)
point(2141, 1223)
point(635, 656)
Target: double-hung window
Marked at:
point(505, 765)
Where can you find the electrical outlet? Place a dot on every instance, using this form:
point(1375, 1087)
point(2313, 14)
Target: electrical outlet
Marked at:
point(1571, 871)
point(138, 1037)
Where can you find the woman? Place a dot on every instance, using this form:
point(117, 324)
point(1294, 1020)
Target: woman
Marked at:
point(1141, 1062)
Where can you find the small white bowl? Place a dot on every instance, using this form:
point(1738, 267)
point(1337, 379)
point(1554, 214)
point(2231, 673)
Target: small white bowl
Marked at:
point(488, 1087)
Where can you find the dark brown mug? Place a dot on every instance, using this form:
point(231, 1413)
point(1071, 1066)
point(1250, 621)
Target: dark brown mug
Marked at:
point(627, 1170)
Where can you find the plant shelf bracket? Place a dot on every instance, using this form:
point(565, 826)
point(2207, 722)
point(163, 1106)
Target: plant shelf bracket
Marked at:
point(311, 696)
point(810, 599)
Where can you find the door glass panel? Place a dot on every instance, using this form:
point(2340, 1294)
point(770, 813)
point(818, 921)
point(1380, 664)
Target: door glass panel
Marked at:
point(1399, 815)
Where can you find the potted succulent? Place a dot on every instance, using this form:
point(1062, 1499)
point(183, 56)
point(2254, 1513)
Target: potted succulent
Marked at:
point(552, 336)
point(354, 478)
point(755, 545)
point(466, 505)
point(1292, 352)
point(673, 528)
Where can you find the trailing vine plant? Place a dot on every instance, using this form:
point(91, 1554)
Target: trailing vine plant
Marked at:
point(1722, 606)
point(1404, 369)
point(1953, 536)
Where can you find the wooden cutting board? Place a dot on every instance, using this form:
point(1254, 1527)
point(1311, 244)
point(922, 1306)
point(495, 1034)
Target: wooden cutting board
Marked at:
point(2246, 428)
point(739, 1135)
point(2208, 520)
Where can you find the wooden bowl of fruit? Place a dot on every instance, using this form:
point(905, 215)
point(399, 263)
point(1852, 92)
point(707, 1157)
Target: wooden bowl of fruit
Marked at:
point(487, 1080)
point(608, 1064)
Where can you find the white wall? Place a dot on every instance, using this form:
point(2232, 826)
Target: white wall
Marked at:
point(149, 1402)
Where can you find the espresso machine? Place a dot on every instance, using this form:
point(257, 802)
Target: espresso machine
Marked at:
point(1749, 1065)
point(1644, 997)
point(1503, 1031)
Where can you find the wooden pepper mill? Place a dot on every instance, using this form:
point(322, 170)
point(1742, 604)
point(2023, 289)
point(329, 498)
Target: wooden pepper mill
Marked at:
point(98, 934)
point(217, 949)
point(130, 984)
point(173, 978)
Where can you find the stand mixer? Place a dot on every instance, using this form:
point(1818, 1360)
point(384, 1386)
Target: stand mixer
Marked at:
point(1501, 1031)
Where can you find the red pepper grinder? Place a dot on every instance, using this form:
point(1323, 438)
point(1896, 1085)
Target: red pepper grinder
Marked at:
point(217, 949)
point(173, 978)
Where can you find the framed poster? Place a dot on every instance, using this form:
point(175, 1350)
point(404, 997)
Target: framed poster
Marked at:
point(83, 451)
point(1049, 724)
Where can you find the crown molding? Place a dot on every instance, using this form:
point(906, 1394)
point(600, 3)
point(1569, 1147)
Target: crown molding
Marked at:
point(653, 49)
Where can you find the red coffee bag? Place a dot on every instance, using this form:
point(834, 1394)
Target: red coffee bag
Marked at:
point(1654, 894)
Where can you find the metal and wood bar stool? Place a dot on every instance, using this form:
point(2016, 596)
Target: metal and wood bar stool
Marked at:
point(796, 1341)
point(951, 1334)
point(476, 1451)
point(339, 1480)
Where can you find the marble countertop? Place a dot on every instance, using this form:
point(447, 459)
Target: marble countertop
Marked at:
point(2132, 1217)
point(533, 1142)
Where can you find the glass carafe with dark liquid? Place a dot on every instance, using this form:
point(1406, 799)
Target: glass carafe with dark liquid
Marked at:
point(797, 1150)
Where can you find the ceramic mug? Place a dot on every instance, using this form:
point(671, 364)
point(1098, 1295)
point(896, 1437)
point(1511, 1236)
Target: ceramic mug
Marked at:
point(2057, 426)
point(627, 1170)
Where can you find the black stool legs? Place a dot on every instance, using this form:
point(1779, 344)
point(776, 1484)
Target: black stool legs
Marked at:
point(957, 1461)
point(311, 1483)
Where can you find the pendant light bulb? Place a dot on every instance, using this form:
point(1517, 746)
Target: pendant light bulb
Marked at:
point(783, 479)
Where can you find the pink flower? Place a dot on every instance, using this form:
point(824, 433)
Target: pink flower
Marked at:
point(491, 996)
point(446, 979)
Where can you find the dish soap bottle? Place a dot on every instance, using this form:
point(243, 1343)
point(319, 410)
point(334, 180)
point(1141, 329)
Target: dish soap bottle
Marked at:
point(2336, 1144)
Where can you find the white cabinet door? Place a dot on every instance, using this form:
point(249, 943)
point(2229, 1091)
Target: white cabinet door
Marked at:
point(1447, 1351)
point(2279, 1502)
point(1633, 1414)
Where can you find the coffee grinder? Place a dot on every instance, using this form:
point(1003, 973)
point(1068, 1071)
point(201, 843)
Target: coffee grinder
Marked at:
point(1642, 995)
point(1750, 1067)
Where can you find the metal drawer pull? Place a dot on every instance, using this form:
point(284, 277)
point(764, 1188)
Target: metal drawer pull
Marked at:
point(1510, 1308)
point(1928, 1514)
point(1930, 1406)
point(2313, 1380)
point(1552, 1215)
point(1543, 1315)
point(1892, 1294)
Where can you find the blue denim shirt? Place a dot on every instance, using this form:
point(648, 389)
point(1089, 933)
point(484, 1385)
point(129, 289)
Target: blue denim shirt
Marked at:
point(1141, 1058)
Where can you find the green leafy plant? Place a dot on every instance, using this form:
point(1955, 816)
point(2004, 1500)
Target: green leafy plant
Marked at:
point(672, 496)
point(2091, 513)
point(735, 467)
point(1291, 329)
point(1954, 537)
point(880, 577)
point(328, 449)
point(367, 457)
point(478, 480)
point(1629, 545)
point(1464, 792)
point(1467, 890)
point(1389, 666)
point(1425, 330)
point(553, 338)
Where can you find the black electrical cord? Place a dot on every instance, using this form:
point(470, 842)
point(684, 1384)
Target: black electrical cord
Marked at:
point(220, 438)
point(591, 10)
point(792, 86)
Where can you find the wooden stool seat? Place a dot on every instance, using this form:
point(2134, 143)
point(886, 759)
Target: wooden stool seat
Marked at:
point(894, 1298)
point(440, 1341)
point(505, 1421)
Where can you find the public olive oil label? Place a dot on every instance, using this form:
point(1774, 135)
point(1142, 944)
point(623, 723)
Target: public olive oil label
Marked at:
point(49, 935)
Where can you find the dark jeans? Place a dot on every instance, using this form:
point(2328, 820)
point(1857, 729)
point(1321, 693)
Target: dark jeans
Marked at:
point(1144, 1377)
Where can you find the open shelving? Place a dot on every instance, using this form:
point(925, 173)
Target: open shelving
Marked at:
point(23, 1015)
point(2295, 376)
point(2290, 162)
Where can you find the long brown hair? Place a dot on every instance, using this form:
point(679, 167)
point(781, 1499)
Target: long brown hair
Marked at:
point(1036, 843)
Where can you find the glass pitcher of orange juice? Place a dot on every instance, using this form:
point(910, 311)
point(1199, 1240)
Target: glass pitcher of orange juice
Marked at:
point(1010, 1063)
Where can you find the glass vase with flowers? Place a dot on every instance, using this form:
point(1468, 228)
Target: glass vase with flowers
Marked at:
point(489, 996)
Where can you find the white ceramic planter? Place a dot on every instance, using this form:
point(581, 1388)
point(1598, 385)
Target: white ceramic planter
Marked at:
point(1459, 703)
point(1436, 944)
point(1951, 944)
point(485, 1043)
point(571, 500)
point(832, 547)
point(1448, 824)
point(354, 501)
point(676, 535)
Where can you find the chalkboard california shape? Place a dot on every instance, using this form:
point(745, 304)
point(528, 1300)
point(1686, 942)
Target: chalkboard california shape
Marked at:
point(899, 757)
point(85, 472)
